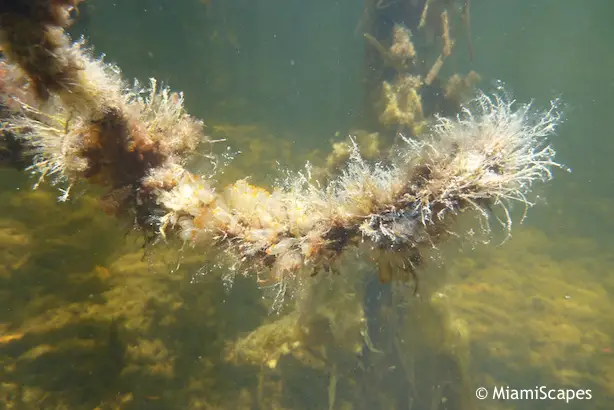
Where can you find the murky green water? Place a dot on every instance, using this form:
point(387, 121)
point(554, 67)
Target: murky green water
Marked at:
point(88, 321)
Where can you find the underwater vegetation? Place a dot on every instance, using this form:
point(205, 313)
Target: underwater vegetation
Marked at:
point(539, 313)
point(142, 325)
point(81, 123)
point(129, 329)
point(408, 45)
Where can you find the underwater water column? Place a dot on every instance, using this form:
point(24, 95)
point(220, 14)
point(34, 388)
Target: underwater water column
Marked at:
point(81, 123)
point(406, 46)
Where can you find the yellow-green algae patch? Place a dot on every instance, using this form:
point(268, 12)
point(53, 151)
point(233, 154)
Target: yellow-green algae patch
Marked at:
point(539, 313)
point(91, 321)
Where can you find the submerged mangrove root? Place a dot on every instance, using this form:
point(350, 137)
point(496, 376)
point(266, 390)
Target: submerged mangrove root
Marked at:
point(407, 44)
point(80, 122)
point(410, 84)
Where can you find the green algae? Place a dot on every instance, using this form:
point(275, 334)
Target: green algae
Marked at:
point(94, 321)
point(90, 323)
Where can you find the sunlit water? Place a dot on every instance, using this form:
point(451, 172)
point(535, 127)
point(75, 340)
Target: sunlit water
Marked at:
point(89, 322)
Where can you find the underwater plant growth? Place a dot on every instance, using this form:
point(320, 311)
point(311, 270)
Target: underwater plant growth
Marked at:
point(79, 121)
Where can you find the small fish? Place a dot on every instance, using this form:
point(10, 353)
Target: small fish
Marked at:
point(368, 342)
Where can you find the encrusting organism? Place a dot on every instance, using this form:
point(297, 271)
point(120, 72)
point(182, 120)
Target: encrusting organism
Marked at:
point(406, 83)
point(82, 123)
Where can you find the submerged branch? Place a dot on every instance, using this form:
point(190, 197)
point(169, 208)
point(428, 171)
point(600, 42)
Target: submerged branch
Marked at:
point(88, 126)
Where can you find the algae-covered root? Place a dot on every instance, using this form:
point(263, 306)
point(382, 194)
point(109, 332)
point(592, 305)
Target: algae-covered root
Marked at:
point(490, 155)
